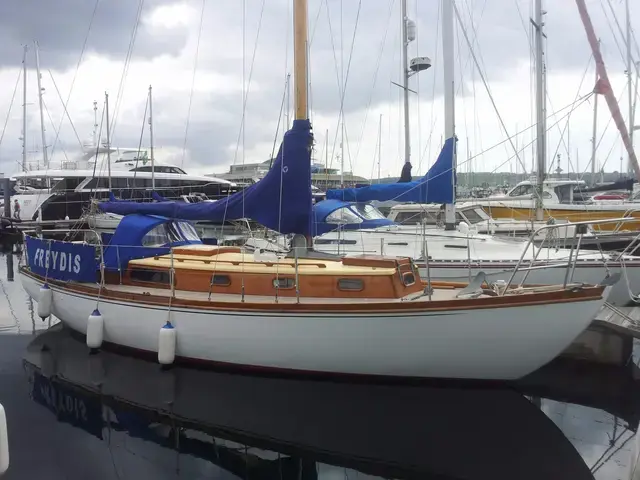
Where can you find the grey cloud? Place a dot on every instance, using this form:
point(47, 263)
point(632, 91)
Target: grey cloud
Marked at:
point(501, 41)
point(60, 27)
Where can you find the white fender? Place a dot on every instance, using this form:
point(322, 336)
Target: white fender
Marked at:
point(45, 300)
point(4, 441)
point(167, 344)
point(95, 329)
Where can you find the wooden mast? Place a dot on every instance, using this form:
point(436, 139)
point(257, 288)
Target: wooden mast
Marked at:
point(300, 75)
point(300, 50)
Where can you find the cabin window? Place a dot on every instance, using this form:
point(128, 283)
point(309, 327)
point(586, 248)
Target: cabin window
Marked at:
point(188, 232)
point(342, 216)
point(472, 216)
point(369, 212)
point(156, 237)
point(411, 217)
point(351, 284)
point(521, 190)
point(163, 234)
point(408, 279)
point(150, 276)
point(283, 282)
point(334, 241)
point(220, 280)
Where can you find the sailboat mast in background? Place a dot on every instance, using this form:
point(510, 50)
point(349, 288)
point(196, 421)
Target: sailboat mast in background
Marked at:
point(108, 119)
point(408, 35)
point(629, 83)
point(24, 109)
point(594, 139)
point(40, 100)
point(449, 100)
point(541, 110)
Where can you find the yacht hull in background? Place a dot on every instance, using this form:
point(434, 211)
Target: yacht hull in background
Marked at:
point(540, 274)
point(457, 257)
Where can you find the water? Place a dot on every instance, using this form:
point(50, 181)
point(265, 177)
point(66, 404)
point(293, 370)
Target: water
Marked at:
point(73, 415)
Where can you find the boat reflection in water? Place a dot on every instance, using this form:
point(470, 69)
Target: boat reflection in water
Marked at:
point(190, 423)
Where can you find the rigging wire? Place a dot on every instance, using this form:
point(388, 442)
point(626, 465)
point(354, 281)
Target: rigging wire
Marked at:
point(346, 77)
point(615, 38)
point(566, 126)
point(54, 127)
point(66, 112)
point(554, 114)
point(97, 149)
point(574, 106)
point(245, 91)
point(6, 121)
point(144, 124)
point(434, 118)
point(605, 131)
point(315, 22)
point(581, 101)
point(75, 75)
point(460, 93)
point(484, 81)
point(375, 78)
point(193, 81)
point(476, 46)
point(275, 138)
point(125, 69)
point(527, 32)
point(335, 63)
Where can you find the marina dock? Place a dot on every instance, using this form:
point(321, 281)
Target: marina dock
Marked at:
point(610, 337)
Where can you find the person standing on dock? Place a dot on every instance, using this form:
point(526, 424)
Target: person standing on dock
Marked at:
point(16, 209)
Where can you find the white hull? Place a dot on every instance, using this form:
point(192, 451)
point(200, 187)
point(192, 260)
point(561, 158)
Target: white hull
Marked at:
point(481, 343)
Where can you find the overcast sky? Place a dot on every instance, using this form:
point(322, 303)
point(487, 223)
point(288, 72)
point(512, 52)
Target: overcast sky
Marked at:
point(84, 46)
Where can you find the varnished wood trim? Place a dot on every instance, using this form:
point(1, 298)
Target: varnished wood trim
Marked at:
point(388, 286)
point(204, 252)
point(376, 261)
point(545, 298)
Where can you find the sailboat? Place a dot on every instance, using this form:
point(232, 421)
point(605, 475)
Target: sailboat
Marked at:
point(519, 202)
point(457, 254)
point(157, 288)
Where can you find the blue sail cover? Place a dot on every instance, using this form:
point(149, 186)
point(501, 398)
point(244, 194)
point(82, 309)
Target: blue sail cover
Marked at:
point(280, 201)
point(127, 241)
point(323, 209)
point(437, 186)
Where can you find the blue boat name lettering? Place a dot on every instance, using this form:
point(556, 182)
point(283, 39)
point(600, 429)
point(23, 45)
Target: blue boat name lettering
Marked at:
point(63, 262)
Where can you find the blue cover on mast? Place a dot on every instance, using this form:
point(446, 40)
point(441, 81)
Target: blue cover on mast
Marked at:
point(437, 186)
point(280, 201)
